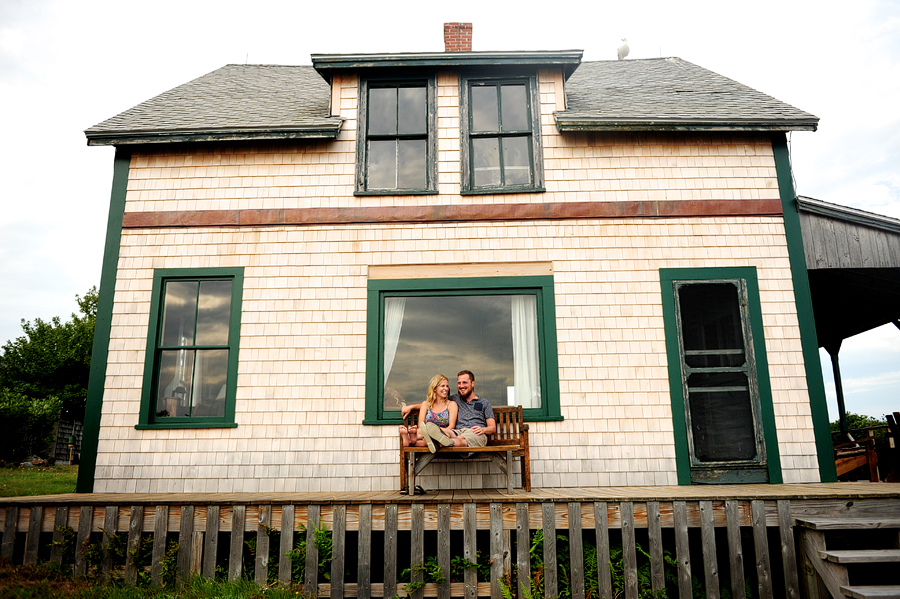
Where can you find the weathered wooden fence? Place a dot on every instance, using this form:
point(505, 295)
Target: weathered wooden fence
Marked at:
point(215, 534)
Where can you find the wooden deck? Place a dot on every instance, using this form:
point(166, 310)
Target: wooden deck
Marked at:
point(724, 536)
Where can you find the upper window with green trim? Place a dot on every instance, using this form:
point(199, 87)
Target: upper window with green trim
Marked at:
point(191, 366)
point(718, 374)
point(397, 143)
point(501, 328)
point(501, 149)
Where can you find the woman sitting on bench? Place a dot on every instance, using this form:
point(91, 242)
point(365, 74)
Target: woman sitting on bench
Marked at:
point(438, 409)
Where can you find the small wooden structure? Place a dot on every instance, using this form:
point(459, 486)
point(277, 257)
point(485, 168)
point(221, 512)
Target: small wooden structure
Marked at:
point(727, 536)
point(509, 441)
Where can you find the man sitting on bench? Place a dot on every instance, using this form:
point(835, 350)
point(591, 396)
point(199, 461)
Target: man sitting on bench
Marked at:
point(473, 424)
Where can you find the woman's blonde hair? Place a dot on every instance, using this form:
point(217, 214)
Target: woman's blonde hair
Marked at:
point(432, 389)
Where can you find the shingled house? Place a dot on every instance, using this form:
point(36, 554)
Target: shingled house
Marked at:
point(293, 251)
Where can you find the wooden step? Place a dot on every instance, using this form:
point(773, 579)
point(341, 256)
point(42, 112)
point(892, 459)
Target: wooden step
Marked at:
point(861, 556)
point(847, 523)
point(872, 592)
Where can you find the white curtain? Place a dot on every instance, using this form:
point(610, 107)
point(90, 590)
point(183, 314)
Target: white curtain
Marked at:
point(525, 351)
point(393, 320)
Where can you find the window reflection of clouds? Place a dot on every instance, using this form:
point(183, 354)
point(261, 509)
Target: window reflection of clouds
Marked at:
point(450, 333)
point(516, 162)
point(484, 108)
point(213, 313)
point(411, 164)
point(411, 110)
point(382, 168)
point(179, 313)
point(514, 113)
point(486, 161)
point(382, 111)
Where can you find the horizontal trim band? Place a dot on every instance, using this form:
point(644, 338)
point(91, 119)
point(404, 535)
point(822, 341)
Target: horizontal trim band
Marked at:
point(427, 214)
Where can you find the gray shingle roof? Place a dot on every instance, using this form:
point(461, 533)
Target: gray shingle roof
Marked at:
point(234, 102)
point(669, 94)
point(256, 102)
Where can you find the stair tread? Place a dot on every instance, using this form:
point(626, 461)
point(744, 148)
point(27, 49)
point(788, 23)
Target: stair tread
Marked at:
point(848, 523)
point(872, 592)
point(860, 556)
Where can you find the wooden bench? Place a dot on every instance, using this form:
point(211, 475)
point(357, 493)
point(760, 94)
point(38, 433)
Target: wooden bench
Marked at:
point(509, 441)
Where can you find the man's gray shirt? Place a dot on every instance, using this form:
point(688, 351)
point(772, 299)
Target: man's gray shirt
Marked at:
point(472, 413)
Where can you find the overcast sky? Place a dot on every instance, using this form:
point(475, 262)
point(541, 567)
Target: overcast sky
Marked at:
point(65, 66)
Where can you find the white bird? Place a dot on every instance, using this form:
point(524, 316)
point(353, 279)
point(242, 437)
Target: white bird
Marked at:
point(623, 49)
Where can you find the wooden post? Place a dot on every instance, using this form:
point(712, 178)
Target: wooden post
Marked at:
point(788, 551)
point(657, 563)
point(110, 526)
point(761, 545)
point(390, 550)
point(59, 524)
point(523, 544)
point(629, 553)
point(364, 552)
point(33, 536)
point(185, 544)
point(211, 542)
point(710, 557)
point(285, 565)
point(236, 551)
point(311, 568)
point(470, 550)
point(135, 528)
point(682, 549)
point(549, 528)
point(416, 546)
point(338, 550)
point(576, 551)
point(263, 526)
point(160, 532)
point(735, 550)
point(604, 576)
point(443, 549)
point(496, 549)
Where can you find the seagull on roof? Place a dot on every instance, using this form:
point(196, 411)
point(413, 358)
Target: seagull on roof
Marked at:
point(623, 49)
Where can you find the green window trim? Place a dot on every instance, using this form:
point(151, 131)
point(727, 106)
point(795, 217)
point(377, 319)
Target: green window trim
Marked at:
point(151, 361)
point(668, 278)
point(468, 136)
point(540, 286)
point(362, 137)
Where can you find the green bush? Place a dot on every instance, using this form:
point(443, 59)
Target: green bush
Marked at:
point(27, 424)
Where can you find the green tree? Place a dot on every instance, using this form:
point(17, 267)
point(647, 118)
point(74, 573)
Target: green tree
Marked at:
point(48, 368)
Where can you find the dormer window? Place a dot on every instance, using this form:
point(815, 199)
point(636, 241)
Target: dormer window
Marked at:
point(500, 135)
point(396, 142)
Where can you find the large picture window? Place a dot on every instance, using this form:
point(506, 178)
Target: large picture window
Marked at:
point(718, 374)
point(502, 329)
point(501, 136)
point(191, 366)
point(396, 145)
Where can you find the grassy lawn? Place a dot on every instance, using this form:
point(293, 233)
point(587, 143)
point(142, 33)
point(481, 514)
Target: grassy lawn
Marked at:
point(38, 480)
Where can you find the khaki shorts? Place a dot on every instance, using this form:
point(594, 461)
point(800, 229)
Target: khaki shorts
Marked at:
point(472, 440)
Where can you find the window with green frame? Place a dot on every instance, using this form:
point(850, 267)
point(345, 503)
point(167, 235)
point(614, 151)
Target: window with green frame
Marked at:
point(501, 139)
point(724, 421)
point(397, 141)
point(501, 328)
point(190, 370)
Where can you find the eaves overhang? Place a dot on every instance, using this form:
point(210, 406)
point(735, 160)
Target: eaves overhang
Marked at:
point(326, 64)
point(574, 123)
point(139, 137)
point(848, 214)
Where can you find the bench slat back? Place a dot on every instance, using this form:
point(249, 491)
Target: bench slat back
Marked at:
point(509, 421)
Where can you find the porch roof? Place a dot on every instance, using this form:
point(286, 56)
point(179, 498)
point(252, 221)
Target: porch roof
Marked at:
point(853, 262)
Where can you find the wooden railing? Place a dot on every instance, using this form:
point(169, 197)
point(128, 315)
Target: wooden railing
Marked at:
point(213, 535)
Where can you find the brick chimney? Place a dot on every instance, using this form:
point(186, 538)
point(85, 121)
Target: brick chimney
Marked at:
point(457, 37)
